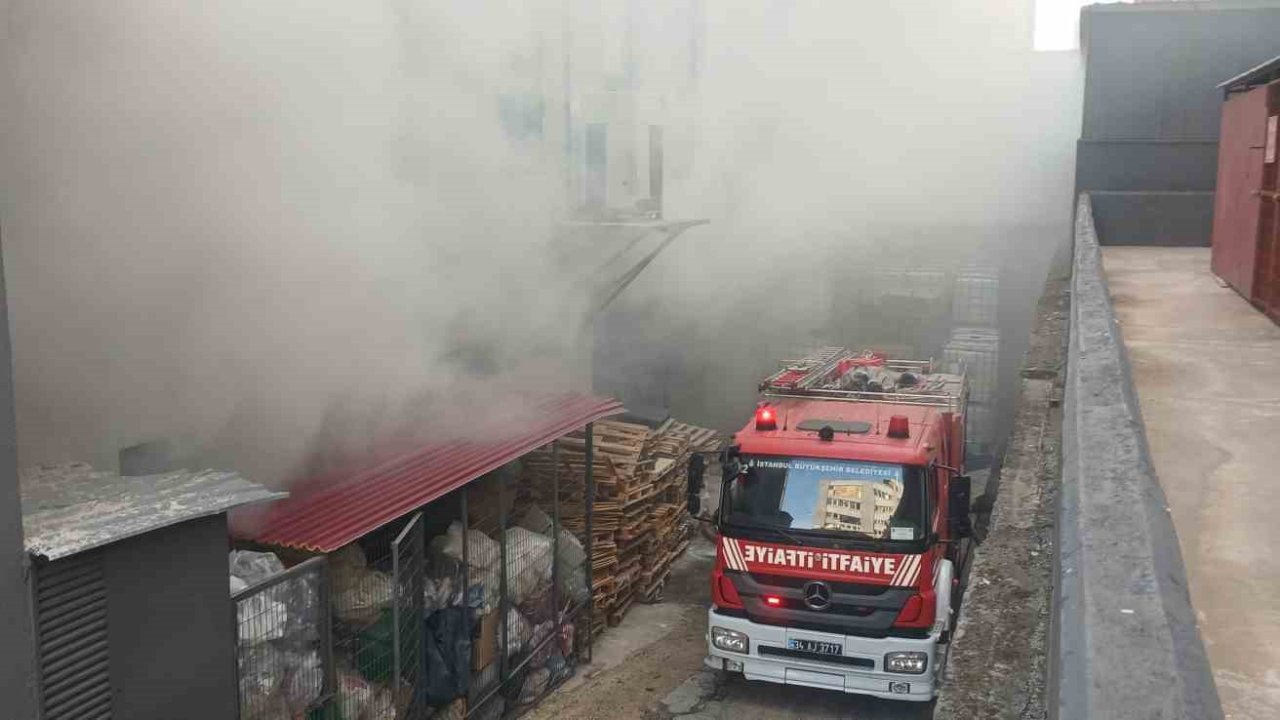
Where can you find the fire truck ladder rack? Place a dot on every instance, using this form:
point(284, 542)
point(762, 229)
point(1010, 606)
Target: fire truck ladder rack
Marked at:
point(824, 376)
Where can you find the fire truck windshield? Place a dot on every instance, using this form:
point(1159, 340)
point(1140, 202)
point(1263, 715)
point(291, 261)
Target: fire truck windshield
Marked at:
point(865, 500)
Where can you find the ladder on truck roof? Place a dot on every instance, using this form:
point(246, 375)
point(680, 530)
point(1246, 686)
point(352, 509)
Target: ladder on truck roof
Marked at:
point(837, 373)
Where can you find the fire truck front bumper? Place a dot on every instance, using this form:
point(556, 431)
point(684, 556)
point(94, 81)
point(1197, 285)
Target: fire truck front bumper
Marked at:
point(846, 663)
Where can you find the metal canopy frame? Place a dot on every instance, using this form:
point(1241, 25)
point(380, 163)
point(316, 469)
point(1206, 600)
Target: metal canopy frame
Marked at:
point(605, 292)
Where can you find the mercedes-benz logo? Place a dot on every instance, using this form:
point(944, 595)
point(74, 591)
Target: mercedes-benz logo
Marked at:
point(817, 595)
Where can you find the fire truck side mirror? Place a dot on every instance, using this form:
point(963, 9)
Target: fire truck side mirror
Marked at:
point(697, 471)
point(730, 467)
point(958, 506)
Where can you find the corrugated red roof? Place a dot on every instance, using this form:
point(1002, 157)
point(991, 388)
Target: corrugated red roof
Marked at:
point(327, 517)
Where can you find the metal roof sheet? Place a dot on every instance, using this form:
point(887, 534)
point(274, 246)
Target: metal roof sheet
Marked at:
point(67, 509)
point(1256, 75)
point(326, 514)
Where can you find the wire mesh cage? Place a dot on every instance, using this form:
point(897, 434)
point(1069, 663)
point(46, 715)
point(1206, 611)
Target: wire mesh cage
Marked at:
point(530, 576)
point(470, 608)
point(283, 657)
point(378, 601)
point(408, 559)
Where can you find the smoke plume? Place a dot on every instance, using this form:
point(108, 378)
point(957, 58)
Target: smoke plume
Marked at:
point(270, 231)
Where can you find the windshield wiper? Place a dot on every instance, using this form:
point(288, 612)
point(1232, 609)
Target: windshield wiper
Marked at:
point(773, 529)
point(788, 536)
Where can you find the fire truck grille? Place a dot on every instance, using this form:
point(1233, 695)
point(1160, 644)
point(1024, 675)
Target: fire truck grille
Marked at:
point(840, 587)
point(853, 608)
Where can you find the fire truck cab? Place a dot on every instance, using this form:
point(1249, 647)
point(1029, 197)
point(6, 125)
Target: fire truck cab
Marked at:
point(843, 528)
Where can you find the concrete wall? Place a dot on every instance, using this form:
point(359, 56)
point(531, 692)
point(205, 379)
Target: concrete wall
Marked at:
point(17, 649)
point(1148, 146)
point(1126, 641)
point(998, 664)
point(170, 624)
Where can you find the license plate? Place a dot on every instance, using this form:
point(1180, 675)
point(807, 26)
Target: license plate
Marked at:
point(816, 646)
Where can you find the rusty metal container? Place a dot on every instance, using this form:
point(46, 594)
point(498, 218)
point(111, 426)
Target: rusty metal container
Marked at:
point(1246, 223)
point(1266, 266)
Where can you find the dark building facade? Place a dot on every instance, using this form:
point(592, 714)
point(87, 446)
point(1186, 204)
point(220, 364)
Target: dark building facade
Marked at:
point(130, 592)
point(1148, 149)
point(140, 628)
point(16, 649)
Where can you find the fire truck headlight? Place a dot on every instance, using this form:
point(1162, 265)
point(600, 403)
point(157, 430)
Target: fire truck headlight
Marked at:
point(909, 663)
point(730, 640)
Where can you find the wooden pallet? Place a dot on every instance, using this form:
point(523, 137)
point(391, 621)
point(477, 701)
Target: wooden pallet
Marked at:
point(638, 514)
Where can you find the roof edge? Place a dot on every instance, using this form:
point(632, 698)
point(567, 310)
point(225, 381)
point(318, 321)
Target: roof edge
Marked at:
point(1180, 6)
point(1259, 74)
point(311, 541)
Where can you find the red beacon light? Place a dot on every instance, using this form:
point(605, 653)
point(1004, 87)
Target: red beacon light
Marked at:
point(766, 418)
point(899, 427)
point(773, 601)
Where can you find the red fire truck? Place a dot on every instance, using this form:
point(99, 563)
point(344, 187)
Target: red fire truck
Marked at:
point(843, 528)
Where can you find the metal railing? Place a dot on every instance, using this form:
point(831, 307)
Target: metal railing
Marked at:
point(952, 402)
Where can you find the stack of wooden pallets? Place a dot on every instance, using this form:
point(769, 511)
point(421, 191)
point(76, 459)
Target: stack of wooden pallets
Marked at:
point(623, 444)
point(639, 523)
point(617, 449)
point(667, 459)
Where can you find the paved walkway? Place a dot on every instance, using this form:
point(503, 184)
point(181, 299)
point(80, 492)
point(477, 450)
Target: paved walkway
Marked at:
point(1207, 370)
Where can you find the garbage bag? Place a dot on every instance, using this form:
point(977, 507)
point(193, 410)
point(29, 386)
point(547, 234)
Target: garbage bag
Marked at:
point(260, 665)
point(262, 700)
point(363, 603)
point(559, 668)
point(566, 639)
point(359, 699)
point(432, 589)
point(259, 619)
point(304, 680)
point(540, 632)
point(570, 556)
point(447, 647)
point(528, 563)
point(519, 632)
point(536, 520)
point(374, 647)
point(571, 572)
point(538, 608)
point(359, 593)
point(483, 558)
point(482, 550)
point(254, 567)
point(289, 609)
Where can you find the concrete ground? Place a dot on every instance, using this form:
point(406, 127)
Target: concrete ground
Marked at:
point(650, 667)
point(1206, 366)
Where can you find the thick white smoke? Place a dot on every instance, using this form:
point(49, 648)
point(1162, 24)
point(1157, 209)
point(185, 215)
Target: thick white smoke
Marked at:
point(224, 221)
point(266, 228)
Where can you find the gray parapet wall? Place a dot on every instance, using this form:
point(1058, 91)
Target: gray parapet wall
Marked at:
point(1126, 643)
